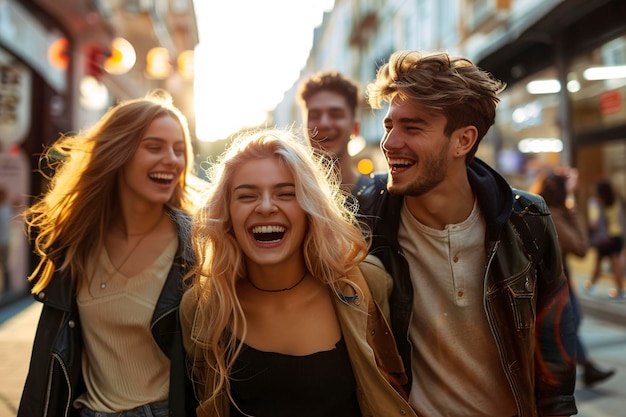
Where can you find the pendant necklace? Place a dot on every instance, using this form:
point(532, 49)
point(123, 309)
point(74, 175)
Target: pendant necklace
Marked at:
point(281, 289)
point(103, 283)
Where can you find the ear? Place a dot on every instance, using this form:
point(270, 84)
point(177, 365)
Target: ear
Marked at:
point(356, 127)
point(464, 139)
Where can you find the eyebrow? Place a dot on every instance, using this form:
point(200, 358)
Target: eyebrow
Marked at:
point(407, 120)
point(254, 187)
point(159, 139)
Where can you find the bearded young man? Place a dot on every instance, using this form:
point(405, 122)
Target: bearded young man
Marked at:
point(481, 320)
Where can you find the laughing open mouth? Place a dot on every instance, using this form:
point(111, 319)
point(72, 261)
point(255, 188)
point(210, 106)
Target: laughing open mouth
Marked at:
point(162, 178)
point(400, 163)
point(268, 233)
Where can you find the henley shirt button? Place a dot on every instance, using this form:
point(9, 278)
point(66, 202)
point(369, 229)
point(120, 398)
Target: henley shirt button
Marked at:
point(403, 412)
point(460, 293)
point(456, 259)
point(71, 323)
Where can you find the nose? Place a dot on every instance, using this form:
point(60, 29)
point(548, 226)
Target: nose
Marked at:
point(325, 119)
point(170, 156)
point(266, 205)
point(389, 141)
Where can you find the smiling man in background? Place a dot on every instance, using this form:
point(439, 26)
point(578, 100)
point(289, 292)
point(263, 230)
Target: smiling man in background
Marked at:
point(329, 103)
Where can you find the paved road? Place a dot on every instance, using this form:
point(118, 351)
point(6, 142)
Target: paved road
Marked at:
point(606, 344)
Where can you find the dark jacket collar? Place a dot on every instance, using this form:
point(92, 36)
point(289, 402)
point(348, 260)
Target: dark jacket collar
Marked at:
point(494, 194)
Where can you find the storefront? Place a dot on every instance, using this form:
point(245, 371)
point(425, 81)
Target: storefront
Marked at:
point(599, 114)
point(565, 99)
point(33, 103)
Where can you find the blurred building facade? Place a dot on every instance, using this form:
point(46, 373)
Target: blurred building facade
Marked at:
point(63, 63)
point(536, 46)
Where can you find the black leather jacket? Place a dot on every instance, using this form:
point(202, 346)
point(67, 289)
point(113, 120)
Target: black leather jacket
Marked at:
point(54, 378)
point(528, 312)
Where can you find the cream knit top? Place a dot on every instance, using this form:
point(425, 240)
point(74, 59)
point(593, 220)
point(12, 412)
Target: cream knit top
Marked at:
point(122, 365)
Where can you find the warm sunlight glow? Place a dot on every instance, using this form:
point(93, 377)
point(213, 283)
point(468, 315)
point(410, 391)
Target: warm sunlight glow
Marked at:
point(122, 59)
point(246, 61)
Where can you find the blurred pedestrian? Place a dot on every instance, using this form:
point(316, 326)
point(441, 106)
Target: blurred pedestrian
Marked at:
point(112, 235)
point(558, 188)
point(480, 306)
point(329, 102)
point(607, 222)
point(280, 320)
point(6, 219)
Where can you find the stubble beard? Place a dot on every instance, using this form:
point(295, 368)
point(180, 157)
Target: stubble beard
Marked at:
point(435, 170)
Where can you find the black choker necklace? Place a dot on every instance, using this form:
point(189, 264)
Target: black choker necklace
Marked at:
point(282, 289)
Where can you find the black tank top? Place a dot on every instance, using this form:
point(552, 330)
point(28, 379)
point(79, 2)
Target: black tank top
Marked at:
point(267, 384)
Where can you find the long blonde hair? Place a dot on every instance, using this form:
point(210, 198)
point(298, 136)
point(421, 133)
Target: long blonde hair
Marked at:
point(68, 222)
point(333, 243)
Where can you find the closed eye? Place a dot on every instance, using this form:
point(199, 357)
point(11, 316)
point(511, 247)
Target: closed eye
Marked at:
point(246, 197)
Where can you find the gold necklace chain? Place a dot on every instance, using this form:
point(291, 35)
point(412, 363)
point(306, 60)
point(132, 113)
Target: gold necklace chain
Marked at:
point(103, 283)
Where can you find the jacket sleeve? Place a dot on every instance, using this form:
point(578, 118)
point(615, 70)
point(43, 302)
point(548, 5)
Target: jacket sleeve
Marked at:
point(379, 282)
point(378, 334)
point(54, 366)
point(571, 230)
point(33, 394)
point(195, 356)
point(555, 357)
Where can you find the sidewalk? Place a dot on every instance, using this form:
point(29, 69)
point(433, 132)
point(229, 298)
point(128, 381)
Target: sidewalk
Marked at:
point(18, 331)
point(16, 340)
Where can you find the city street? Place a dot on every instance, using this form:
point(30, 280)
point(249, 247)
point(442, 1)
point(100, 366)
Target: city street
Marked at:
point(606, 344)
point(155, 92)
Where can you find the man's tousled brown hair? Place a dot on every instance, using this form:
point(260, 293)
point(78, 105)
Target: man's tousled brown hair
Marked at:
point(451, 86)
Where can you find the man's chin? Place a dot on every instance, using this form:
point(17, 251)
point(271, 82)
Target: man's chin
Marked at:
point(394, 187)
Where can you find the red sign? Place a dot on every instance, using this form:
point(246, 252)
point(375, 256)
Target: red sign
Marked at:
point(611, 102)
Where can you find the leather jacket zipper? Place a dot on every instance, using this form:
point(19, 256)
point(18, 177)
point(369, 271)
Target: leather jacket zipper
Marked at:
point(488, 313)
point(57, 357)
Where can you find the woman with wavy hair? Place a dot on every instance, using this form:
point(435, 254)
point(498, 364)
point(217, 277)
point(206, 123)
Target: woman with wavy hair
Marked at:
point(280, 320)
point(112, 234)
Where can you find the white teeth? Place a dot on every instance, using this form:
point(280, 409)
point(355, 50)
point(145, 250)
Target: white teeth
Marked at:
point(162, 176)
point(399, 162)
point(268, 229)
